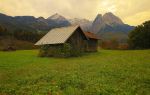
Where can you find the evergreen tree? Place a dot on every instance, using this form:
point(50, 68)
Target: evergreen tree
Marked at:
point(139, 38)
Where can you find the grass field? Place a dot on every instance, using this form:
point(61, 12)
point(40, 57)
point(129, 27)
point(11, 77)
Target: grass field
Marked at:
point(107, 72)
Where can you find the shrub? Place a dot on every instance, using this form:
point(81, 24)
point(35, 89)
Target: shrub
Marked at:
point(66, 50)
point(42, 53)
point(63, 50)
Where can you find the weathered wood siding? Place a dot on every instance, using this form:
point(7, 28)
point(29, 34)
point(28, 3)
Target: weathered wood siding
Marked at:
point(78, 40)
point(92, 45)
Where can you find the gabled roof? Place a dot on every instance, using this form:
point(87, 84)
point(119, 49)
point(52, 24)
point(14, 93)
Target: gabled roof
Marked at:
point(91, 35)
point(57, 35)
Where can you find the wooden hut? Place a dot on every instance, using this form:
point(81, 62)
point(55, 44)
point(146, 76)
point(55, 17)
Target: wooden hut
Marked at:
point(56, 38)
point(92, 42)
point(73, 36)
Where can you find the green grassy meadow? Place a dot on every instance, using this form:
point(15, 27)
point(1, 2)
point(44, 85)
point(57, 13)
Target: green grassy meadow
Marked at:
point(107, 72)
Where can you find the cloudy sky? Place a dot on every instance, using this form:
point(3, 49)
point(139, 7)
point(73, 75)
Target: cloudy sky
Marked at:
point(132, 12)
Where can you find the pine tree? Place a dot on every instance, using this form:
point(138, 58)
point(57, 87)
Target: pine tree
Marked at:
point(139, 38)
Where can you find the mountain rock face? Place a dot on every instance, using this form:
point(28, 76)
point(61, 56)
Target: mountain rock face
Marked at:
point(58, 20)
point(110, 18)
point(109, 23)
point(97, 24)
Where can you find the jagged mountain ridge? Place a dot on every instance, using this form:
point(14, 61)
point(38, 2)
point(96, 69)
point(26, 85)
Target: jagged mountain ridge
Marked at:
point(30, 23)
point(100, 26)
point(103, 23)
point(109, 23)
point(109, 26)
point(58, 20)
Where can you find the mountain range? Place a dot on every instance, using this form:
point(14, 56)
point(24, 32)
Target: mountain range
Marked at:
point(109, 26)
point(106, 26)
point(30, 23)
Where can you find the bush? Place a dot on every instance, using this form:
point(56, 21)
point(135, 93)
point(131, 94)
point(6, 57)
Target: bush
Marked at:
point(42, 53)
point(64, 50)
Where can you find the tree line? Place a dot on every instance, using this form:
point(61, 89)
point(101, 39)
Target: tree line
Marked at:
point(21, 34)
point(139, 38)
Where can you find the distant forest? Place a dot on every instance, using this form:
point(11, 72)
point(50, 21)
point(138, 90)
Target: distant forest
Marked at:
point(21, 34)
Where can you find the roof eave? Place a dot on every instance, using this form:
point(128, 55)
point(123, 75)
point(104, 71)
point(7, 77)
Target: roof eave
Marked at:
point(48, 44)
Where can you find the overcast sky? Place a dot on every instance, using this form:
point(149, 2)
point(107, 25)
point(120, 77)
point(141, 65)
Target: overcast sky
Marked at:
point(132, 12)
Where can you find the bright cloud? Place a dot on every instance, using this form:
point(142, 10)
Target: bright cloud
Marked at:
point(132, 12)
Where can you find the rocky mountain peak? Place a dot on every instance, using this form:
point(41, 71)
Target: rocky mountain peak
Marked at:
point(109, 18)
point(41, 17)
point(98, 17)
point(56, 16)
point(98, 20)
point(97, 23)
point(58, 20)
point(109, 13)
point(108, 22)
